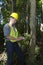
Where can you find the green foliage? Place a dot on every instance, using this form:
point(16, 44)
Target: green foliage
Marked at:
point(22, 25)
point(6, 11)
point(39, 6)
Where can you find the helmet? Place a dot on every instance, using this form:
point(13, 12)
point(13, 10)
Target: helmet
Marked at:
point(14, 15)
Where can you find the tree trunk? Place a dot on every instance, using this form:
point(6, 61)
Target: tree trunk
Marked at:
point(33, 29)
point(13, 5)
point(42, 10)
point(27, 4)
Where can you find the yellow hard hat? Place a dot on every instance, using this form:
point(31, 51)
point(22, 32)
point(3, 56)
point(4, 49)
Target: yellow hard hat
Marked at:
point(14, 15)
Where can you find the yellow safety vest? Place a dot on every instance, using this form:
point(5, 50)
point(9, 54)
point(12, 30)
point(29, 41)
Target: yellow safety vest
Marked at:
point(13, 33)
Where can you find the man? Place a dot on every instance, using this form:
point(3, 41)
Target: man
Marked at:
point(41, 27)
point(11, 36)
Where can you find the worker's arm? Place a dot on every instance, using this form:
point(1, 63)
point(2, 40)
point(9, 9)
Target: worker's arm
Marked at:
point(12, 38)
point(6, 31)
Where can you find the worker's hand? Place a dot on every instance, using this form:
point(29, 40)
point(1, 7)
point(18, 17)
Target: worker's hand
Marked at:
point(20, 38)
point(23, 38)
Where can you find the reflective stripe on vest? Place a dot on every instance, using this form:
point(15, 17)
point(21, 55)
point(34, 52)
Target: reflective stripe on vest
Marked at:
point(13, 33)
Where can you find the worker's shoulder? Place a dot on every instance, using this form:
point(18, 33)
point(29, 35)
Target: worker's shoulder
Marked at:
point(6, 26)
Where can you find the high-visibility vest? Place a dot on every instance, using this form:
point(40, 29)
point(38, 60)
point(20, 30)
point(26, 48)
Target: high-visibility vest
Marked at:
point(13, 33)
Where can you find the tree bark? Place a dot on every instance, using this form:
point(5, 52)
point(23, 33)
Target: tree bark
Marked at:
point(33, 29)
point(27, 4)
point(13, 5)
point(42, 11)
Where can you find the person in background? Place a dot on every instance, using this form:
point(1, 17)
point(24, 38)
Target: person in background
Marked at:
point(41, 27)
